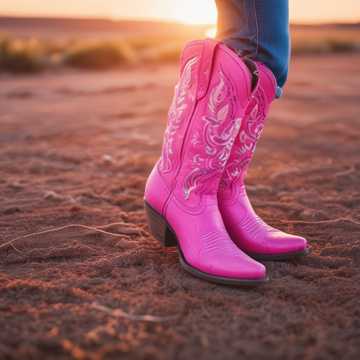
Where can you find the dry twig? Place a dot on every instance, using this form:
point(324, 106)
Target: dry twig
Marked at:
point(96, 229)
point(330, 221)
point(122, 314)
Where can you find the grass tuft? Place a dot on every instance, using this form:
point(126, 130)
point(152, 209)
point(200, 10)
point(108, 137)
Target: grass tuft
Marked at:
point(20, 56)
point(100, 56)
point(340, 46)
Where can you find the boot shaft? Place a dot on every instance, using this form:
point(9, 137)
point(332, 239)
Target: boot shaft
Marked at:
point(181, 192)
point(204, 119)
point(250, 131)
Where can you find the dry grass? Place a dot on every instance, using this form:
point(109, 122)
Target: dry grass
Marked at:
point(21, 56)
point(33, 55)
point(100, 55)
point(325, 40)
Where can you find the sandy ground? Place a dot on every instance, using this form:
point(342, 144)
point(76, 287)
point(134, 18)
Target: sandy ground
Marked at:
point(75, 148)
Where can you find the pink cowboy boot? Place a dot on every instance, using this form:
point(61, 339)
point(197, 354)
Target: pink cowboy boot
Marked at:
point(181, 191)
point(250, 233)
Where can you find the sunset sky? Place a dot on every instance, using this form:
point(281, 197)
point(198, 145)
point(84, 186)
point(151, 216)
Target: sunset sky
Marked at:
point(187, 11)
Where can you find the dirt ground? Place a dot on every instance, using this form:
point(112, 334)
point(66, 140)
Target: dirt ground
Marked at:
point(75, 148)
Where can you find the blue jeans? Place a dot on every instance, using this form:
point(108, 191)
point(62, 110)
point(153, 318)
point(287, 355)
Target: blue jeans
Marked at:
point(257, 30)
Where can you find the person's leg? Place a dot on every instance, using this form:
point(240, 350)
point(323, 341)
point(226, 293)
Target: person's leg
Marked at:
point(258, 30)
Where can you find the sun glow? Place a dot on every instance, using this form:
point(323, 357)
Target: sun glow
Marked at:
point(194, 12)
point(211, 32)
point(184, 11)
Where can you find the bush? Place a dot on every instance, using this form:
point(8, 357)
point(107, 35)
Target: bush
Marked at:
point(20, 56)
point(32, 55)
point(100, 56)
point(165, 53)
point(337, 46)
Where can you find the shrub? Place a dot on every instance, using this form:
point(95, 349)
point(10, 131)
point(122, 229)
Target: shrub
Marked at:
point(337, 45)
point(20, 56)
point(100, 56)
point(165, 53)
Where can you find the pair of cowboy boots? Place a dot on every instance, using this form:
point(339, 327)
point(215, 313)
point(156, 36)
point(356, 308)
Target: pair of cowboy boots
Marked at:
point(195, 196)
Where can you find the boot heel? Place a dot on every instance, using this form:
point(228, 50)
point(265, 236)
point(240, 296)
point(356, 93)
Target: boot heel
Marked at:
point(159, 228)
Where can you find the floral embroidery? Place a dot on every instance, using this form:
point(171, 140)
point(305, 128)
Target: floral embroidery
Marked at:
point(179, 104)
point(217, 140)
point(245, 143)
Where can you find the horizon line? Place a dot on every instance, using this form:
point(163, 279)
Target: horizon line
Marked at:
point(159, 19)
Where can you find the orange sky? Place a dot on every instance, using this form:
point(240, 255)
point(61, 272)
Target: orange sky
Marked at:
point(188, 11)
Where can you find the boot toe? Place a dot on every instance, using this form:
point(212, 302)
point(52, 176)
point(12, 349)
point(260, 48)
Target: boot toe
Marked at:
point(286, 243)
point(239, 267)
point(253, 271)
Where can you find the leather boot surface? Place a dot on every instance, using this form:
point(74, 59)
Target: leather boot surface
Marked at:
point(181, 192)
point(246, 228)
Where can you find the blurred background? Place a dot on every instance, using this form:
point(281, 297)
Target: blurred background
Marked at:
point(93, 34)
point(85, 87)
